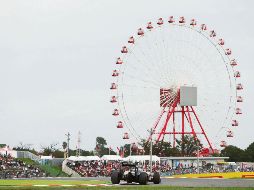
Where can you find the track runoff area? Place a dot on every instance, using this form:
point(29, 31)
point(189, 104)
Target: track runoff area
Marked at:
point(174, 183)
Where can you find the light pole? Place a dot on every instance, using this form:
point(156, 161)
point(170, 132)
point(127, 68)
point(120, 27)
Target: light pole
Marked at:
point(198, 156)
point(198, 161)
point(68, 143)
point(151, 150)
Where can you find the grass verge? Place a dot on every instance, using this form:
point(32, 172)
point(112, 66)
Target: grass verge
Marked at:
point(48, 182)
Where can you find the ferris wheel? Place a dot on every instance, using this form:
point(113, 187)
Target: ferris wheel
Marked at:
point(156, 63)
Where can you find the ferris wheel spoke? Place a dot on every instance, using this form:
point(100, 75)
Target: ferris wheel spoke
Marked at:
point(139, 86)
point(139, 79)
point(159, 46)
point(152, 65)
point(146, 70)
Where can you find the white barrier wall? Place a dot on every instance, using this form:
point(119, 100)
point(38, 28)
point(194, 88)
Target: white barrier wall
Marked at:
point(13, 153)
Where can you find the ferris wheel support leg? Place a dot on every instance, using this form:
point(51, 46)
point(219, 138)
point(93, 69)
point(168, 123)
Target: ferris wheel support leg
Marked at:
point(170, 112)
point(174, 130)
point(203, 131)
point(190, 121)
point(183, 113)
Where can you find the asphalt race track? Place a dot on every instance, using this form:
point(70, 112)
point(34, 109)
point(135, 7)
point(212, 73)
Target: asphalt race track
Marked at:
point(184, 182)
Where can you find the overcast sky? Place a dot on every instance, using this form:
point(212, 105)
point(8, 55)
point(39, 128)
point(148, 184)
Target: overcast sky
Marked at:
point(56, 57)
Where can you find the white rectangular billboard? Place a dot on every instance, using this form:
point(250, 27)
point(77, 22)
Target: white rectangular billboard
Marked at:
point(188, 96)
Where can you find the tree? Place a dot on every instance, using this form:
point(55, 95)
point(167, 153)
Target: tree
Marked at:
point(49, 150)
point(188, 145)
point(126, 149)
point(249, 153)
point(25, 147)
point(58, 154)
point(161, 148)
point(64, 145)
point(234, 153)
point(101, 141)
point(2, 145)
point(86, 153)
point(100, 145)
point(101, 148)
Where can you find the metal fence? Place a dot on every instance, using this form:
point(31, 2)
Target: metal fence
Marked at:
point(27, 154)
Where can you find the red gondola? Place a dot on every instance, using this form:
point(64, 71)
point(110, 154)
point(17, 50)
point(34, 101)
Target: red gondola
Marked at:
point(113, 99)
point(203, 27)
point(230, 134)
point(171, 19)
point(115, 112)
point(239, 86)
point(228, 51)
point(119, 61)
point(182, 20)
point(125, 136)
point(140, 32)
point(221, 42)
point(237, 74)
point(119, 125)
point(223, 144)
point(115, 73)
point(212, 33)
point(193, 22)
point(131, 40)
point(233, 62)
point(160, 21)
point(239, 99)
point(235, 123)
point(113, 86)
point(149, 25)
point(124, 49)
point(238, 111)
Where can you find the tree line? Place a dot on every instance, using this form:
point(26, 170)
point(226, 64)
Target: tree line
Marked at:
point(188, 146)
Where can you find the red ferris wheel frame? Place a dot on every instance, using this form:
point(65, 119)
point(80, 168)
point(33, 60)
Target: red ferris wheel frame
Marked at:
point(188, 113)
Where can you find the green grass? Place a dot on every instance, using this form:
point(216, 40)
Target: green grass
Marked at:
point(28, 161)
point(52, 171)
point(26, 184)
point(15, 182)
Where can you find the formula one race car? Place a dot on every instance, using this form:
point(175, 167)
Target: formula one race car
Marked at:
point(134, 174)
